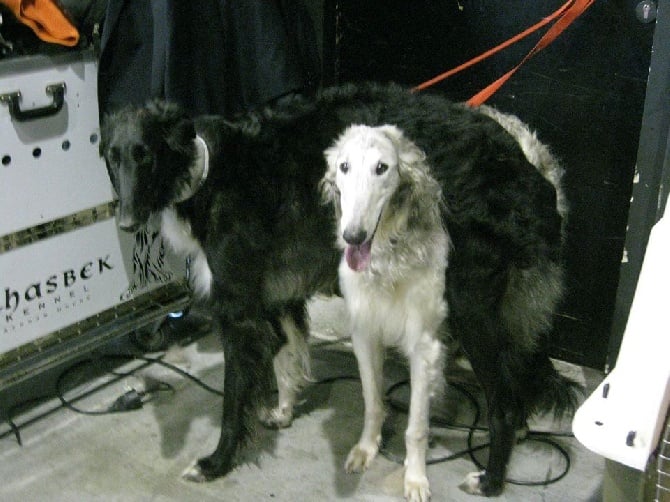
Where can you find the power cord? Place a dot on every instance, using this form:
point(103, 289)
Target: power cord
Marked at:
point(538, 436)
point(133, 400)
point(129, 401)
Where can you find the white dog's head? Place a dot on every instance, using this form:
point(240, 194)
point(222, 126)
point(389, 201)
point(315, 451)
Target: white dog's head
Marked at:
point(363, 174)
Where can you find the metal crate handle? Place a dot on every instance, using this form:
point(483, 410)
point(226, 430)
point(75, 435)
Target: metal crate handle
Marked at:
point(57, 92)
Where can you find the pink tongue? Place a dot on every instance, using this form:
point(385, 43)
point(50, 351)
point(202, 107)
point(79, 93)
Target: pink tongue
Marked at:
point(358, 257)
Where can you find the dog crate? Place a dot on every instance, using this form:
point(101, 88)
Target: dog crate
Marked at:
point(69, 280)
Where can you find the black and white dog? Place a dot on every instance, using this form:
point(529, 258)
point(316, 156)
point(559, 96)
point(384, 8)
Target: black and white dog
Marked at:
point(243, 199)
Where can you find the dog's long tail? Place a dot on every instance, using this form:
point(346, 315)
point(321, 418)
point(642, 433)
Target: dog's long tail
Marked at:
point(546, 390)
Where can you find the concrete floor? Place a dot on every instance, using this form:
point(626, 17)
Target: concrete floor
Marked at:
point(139, 455)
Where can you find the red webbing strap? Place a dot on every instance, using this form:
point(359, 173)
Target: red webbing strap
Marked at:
point(565, 14)
point(573, 12)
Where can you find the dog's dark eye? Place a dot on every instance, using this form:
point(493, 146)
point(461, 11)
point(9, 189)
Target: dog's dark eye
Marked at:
point(381, 168)
point(344, 167)
point(113, 155)
point(141, 154)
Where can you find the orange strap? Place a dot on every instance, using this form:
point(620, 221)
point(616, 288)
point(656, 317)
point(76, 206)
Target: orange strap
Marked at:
point(46, 19)
point(563, 16)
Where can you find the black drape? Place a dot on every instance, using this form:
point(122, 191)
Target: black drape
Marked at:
point(210, 56)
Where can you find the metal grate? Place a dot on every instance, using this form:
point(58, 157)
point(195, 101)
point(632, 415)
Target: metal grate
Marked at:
point(45, 230)
point(662, 489)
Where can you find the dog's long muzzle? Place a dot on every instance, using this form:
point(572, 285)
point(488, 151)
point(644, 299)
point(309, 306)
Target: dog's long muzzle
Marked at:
point(359, 245)
point(125, 218)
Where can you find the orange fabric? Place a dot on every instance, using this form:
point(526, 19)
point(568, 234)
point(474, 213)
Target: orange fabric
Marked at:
point(564, 15)
point(46, 19)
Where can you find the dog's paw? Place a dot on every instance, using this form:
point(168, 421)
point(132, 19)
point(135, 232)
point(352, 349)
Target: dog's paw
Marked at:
point(477, 483)
point(360, 458)
point(206, 469)
point(275, 418)
point(417, 489)
point(194, 474)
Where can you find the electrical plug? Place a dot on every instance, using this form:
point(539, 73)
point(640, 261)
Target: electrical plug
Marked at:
point(131, 400)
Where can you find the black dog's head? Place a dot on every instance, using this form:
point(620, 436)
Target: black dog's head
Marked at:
point(148, 151)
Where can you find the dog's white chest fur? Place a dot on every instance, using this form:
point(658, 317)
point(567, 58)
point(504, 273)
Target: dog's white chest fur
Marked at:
point(394, 310)
point(177, 234)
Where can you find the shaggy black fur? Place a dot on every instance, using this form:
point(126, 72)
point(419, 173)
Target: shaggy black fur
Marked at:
point(269, 240)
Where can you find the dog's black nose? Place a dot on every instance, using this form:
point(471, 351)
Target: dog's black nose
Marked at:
point(355, 238)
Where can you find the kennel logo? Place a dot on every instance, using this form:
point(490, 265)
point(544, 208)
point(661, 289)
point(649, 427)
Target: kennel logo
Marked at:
point(57, 292)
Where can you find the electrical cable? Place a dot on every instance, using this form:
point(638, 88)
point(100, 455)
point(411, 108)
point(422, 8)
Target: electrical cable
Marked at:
point(8, 416)
point(538, 436)
point(11, 412)
point(172, 367)
point(133, 399)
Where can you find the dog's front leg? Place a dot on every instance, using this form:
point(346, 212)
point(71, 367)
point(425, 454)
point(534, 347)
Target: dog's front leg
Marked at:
point(424, 360)
point(370, 356)
point(248, 347)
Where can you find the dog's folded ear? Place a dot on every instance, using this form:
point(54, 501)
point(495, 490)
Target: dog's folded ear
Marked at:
point(327, 184)
point(408, 152)
point(170, 122)
point(180, 136)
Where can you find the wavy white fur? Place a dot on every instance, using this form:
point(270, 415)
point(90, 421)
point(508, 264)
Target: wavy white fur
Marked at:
point(381, 188)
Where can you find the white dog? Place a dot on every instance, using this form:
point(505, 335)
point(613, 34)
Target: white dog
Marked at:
point(392, 278)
